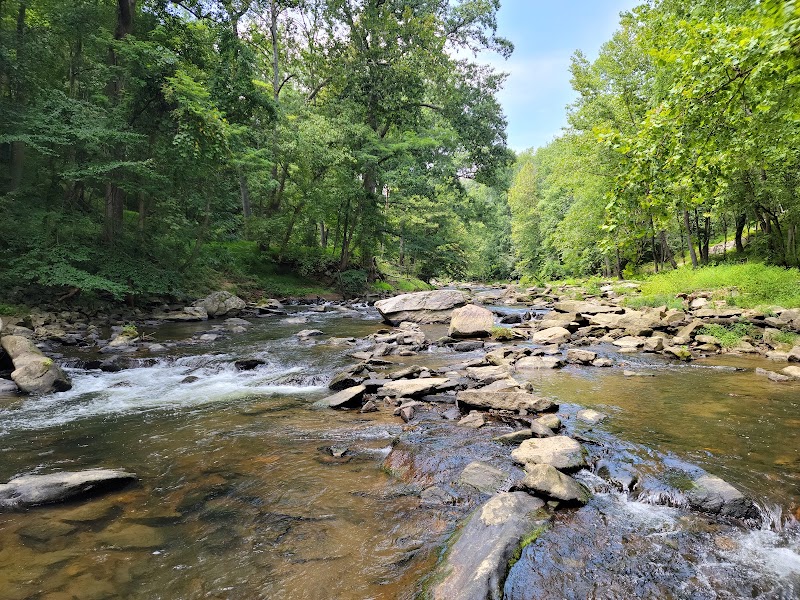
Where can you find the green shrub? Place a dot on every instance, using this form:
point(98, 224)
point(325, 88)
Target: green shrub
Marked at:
point(671, 302)
point(502, 334)
point(730, 337)
point(352, 283)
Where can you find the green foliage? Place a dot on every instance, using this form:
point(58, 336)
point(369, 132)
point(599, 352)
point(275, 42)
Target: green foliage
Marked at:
point(352, 283)
point(732, 336)
point(129, 330)
point(502, 334)
point(655, 300)
point(789, 338)
point(756, 284)
point(11, 310)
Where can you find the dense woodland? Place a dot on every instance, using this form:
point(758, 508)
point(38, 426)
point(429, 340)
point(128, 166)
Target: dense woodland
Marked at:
point(154, 147)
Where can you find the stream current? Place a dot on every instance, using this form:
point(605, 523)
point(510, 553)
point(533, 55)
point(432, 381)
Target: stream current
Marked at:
point(242, 494)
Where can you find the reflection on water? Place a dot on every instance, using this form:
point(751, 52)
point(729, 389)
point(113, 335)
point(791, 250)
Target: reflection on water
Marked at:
point(241, 497)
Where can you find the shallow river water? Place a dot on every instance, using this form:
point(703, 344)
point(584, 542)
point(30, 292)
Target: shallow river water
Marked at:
point(241, 497)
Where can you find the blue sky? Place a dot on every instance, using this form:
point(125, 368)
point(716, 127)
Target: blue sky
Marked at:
point(545, 33)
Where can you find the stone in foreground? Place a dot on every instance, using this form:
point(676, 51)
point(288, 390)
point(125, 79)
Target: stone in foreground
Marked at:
point(559, 451)
point(477, 563)
point(551, 335)
point(549, 482)
point(347, 398)
point(221, 304)
point(413, 387)
point(421, 307)
point(714, 495)
point(471, 321)
point(34, 490)
point(33, 372)
point(501, 400)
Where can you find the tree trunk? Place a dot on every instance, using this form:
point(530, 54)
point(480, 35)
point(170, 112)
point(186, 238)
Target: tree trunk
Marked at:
point(687, 224)
point(741, 221)
point(244, 191)
point(115, 196)
point(666, 250)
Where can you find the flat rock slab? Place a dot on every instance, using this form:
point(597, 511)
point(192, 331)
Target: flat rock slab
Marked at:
point(421, 307)
point(413, 387)
point(476, 564)
point(347, 398)
point(560, 451)
point(34, 490)
point(714, 495)
point(504, 400)
point(547, 481)
point(483, 477)
point(551, 335)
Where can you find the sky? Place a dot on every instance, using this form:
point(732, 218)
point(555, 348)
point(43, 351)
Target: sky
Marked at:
point(545, 33)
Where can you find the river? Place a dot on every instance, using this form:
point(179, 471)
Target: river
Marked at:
point(245, 491)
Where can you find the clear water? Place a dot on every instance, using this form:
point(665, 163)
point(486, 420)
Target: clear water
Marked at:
point(239, 497)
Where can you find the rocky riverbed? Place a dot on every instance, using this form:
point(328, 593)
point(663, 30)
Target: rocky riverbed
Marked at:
point(431, 435)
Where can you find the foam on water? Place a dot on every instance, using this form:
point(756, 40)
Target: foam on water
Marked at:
point(159, 387)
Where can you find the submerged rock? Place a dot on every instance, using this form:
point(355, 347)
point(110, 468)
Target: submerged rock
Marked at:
point(483, 477)
point(348, 398)
point(34, 490)
point(593, 417)
point(421, 307)
point(478, 561)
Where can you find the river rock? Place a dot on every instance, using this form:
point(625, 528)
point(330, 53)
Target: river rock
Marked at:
point(413, 387)
point(550, 421)
point(248, 364)
point(308, 333)
point(220, 304)
point(348, 398)
point(471, 321)
point(629, 341)
point(477, 563)
point(350, 377)
point(587, 415)
point(483, 477)
point(34, 490)
point(714, 495)
point(504, 400)
point(551, 335)
point(559, 451)
point(538, 362)
point(131, 536)
point(549, 482)
point(187, 314)
point(33, 372)
point(467, 346)
point(487, 374)
point(585, 308)
point(8, 388)
point(515, 437)
point(421, 307)
point(791, 371)
point(581, 357)
point(474, 420)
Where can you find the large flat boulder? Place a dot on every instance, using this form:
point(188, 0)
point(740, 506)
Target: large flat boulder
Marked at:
point(413, 387)
point(35, 490)
point(504, 400)
point(551, 335)
point(220, 304)
point(476, 565)
point(559, 451)
point(421, 307)
point(347, 398)
point(471, 321)
point(34, 373)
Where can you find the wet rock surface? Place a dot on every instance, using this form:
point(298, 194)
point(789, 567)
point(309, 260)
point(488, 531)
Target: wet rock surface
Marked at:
point(36, 490)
